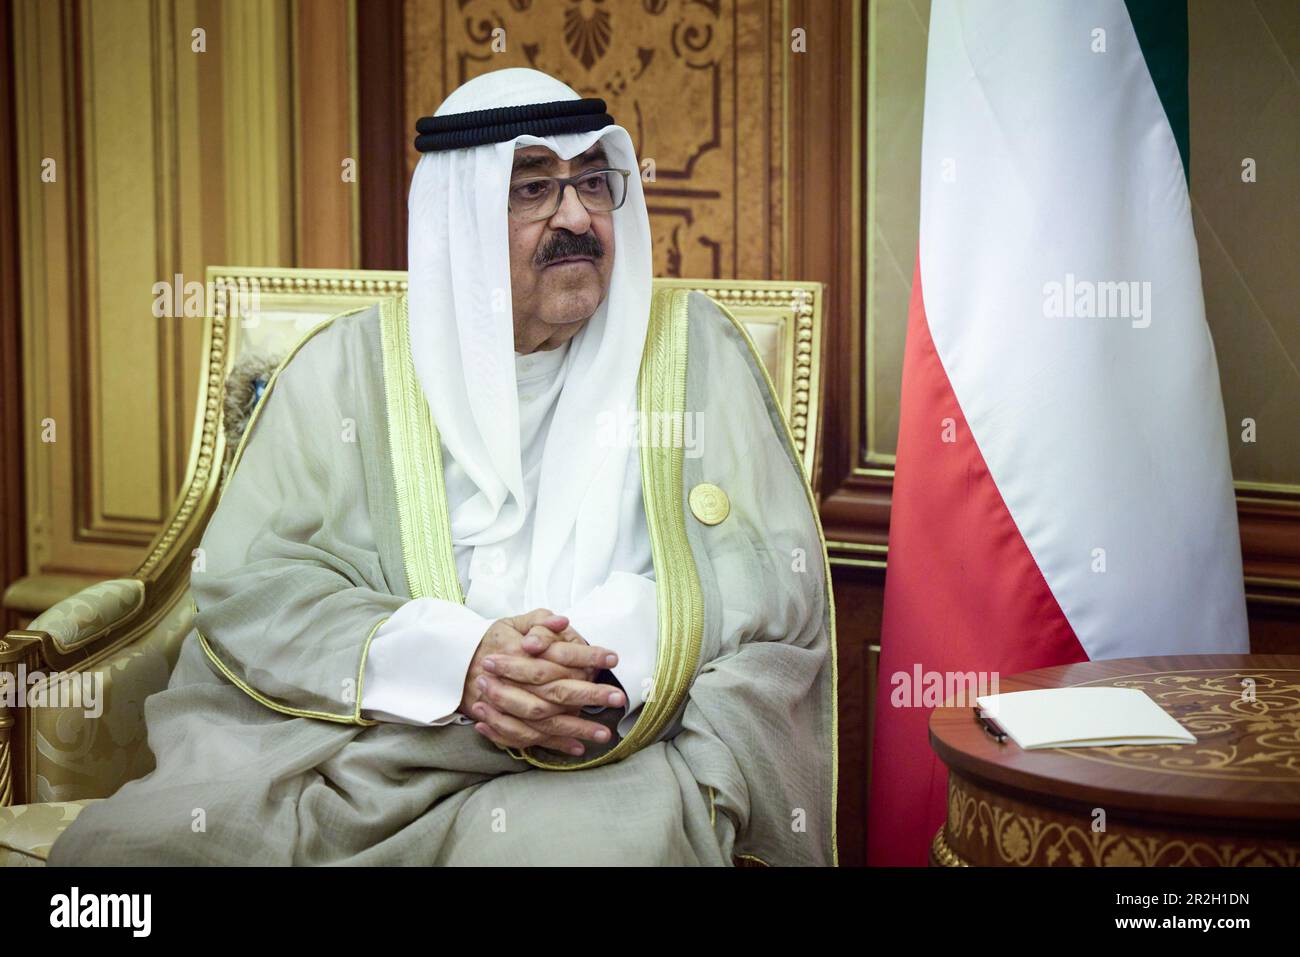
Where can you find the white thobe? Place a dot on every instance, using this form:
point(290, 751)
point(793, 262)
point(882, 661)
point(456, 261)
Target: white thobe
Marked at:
point(419, 658)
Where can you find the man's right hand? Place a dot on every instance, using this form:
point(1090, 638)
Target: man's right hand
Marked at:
point(534, 655)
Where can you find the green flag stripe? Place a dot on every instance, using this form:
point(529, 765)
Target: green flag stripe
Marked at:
point(1161, 28)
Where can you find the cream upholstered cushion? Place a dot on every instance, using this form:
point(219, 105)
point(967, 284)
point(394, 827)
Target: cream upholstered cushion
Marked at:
point(86, 615)
point(85, 757)
point(82, 758)
point(28, 831)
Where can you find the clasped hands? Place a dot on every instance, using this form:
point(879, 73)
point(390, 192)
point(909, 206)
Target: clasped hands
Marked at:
point(529, 680)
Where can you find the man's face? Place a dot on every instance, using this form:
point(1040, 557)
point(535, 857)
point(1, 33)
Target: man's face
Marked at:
point(559, 267)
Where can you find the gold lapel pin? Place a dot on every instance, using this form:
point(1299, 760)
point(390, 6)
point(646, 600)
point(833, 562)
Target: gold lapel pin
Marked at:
point(709, 503)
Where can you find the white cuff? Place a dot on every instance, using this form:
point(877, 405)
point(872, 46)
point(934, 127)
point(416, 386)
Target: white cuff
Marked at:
point(418, 659)
point(623, 616)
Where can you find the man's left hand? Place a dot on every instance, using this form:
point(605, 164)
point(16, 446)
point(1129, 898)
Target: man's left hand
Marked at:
point(536, 693)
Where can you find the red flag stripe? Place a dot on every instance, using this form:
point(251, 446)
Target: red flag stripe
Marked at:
point(962, 593)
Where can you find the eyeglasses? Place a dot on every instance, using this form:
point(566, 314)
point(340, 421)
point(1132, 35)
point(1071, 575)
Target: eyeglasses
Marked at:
point(599, 190)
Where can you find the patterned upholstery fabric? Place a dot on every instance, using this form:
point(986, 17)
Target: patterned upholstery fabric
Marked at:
point(80, 617)
point(80, 757)
point(28, 831)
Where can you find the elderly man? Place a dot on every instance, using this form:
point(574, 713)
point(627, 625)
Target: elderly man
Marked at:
point(519, 568)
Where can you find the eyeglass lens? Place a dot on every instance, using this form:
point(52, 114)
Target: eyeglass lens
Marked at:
point(600, 191)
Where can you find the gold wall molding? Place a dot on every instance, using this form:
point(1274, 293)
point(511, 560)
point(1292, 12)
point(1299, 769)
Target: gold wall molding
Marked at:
point(166, 158)
point(257, 116)
point(896, 38)
point(327, 212)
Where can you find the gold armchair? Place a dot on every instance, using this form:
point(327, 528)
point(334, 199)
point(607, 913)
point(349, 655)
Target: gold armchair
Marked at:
point(119, 639)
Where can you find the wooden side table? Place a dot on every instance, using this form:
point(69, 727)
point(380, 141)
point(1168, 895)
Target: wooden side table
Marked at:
point(1231, 799)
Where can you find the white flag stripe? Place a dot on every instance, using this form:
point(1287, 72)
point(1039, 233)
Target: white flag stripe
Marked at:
point(1045, 162)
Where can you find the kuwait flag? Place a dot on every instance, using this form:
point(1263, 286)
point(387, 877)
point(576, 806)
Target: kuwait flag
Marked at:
point(1062, 490)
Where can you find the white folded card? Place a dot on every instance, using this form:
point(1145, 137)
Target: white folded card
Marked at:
point(1082, 718)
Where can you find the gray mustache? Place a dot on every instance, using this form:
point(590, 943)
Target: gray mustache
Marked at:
point(565, 243)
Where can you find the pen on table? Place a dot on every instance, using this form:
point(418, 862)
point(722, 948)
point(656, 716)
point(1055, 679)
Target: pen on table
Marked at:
point(995, 731)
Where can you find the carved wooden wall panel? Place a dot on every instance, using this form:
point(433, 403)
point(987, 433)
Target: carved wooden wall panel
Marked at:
point(697, 83)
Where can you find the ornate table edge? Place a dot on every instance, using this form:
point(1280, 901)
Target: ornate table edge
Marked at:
point(1026, 834)
point(941, 855)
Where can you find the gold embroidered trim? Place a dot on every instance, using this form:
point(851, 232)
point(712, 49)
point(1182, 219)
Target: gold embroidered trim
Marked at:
point(661, 396)
point(257, 696)
point(826, 565)
point(416, 451)
point(354, 718)
point(361, 674)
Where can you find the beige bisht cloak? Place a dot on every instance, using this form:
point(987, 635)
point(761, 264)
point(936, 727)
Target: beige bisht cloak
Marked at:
point(263, 756)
